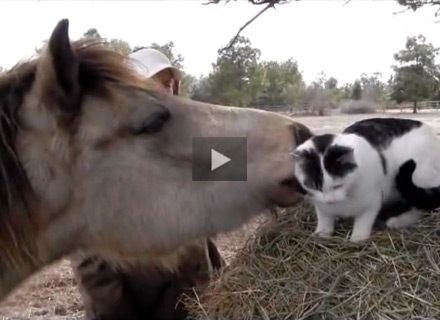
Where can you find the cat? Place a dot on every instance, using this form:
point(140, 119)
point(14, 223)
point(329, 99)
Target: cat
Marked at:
point(353, 174)
point(427, 199)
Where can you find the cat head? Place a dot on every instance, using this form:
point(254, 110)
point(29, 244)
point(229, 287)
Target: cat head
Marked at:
point(325, 167)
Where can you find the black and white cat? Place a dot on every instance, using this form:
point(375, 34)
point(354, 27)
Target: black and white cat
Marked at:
point(422, 198)
point(353, 174)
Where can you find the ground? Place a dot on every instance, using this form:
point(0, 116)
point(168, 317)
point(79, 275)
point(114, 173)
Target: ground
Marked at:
point(53, 292)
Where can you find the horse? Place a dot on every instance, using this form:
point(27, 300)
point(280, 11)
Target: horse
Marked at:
point(144, 291)
point(95, 158)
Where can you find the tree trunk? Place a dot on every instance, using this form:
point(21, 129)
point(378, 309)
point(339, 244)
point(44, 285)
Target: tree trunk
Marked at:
point(415, 107)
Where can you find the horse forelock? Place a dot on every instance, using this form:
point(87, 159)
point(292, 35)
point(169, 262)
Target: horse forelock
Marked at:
point(100, 66)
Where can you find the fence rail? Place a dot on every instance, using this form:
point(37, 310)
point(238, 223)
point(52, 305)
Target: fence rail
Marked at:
point(431, 104)
point(307, 108)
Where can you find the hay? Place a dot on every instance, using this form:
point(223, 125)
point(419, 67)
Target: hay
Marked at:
point(285, 273)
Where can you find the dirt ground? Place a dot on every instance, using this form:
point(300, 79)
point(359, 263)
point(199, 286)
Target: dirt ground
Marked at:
point(53, 293)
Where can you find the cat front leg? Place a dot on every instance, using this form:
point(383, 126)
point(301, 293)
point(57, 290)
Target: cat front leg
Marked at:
point(326, 224)
point(363, 224)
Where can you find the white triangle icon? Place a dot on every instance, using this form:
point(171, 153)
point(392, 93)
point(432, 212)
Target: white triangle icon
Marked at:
point(218, 160)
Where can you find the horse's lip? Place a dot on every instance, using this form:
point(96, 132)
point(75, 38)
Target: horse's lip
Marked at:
point(288, 192)
point(292, 183)
point(289, 181)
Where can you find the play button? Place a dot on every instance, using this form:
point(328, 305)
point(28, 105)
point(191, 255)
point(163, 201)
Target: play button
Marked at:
point(218, 160)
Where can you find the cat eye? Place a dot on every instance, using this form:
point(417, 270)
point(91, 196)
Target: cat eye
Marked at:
point(154, 122)
point(339, 186)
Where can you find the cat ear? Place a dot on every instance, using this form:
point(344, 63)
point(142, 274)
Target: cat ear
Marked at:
point(296, 155)
point(347, 157)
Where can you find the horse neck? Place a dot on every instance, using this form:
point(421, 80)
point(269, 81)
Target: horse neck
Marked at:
point(50, 246)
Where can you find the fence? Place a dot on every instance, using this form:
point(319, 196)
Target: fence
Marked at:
point(288, 109)
point(307, 108)
point(409, 106)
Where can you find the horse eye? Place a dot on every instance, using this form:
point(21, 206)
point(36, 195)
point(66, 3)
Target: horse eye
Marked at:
point(154, 122)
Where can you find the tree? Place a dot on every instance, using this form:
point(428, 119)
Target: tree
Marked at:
point(356, 92)
point(280, 84)
point(409, 4)
point(321, 93)
point(331, 83)
point(92, 33)
point(417, 4)
point(232, 73)
point(373, 88)
point(200, 90)
point(416, 75)
point(117, 45)
point(268, 4)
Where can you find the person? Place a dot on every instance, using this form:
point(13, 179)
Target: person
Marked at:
point(152, 63)
point(143, 291)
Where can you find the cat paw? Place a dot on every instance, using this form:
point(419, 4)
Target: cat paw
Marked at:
point(359, 238)
point(405, 220)
point(394, 223)
point(325, 234)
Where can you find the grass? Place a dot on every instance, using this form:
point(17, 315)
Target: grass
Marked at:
point(285, 273)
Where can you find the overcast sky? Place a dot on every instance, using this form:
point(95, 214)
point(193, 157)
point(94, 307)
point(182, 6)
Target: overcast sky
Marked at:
point(341, 40)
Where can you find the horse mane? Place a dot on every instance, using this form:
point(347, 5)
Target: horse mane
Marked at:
point(98, 67)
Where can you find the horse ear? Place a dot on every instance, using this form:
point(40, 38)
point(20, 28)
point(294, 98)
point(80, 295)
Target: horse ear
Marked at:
point(59, 70)
point(301, 133)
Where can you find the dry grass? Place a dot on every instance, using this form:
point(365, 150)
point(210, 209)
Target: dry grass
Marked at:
point(49, 293)
point(52, 293)
point(285, 273)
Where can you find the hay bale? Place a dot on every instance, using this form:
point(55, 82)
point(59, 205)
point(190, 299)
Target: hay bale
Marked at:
point(285, 273)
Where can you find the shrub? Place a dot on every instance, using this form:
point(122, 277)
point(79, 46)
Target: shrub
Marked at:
point(358, 107)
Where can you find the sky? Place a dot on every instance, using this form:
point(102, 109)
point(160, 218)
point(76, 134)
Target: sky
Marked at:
point(340, 40)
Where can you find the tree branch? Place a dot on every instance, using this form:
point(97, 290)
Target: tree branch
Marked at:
point(270, 4)
point(256, 2)
point(231, 43)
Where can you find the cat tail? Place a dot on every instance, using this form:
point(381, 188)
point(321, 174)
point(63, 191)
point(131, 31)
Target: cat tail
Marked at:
point(420, 198)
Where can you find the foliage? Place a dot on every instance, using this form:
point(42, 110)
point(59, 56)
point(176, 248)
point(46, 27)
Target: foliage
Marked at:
point(167, 48)
point(256, 2)
point(359, 106)
point(232, 73)
point(356, 93)
point(118, 45)
point(416, 75)
point(373, 88)
point(281, 83)
point(417, 4)
point(239, 77)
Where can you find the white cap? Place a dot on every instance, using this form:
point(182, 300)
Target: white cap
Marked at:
point(149, 62)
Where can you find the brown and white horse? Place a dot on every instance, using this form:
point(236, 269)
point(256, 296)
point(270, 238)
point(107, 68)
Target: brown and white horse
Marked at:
point(94, 158)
